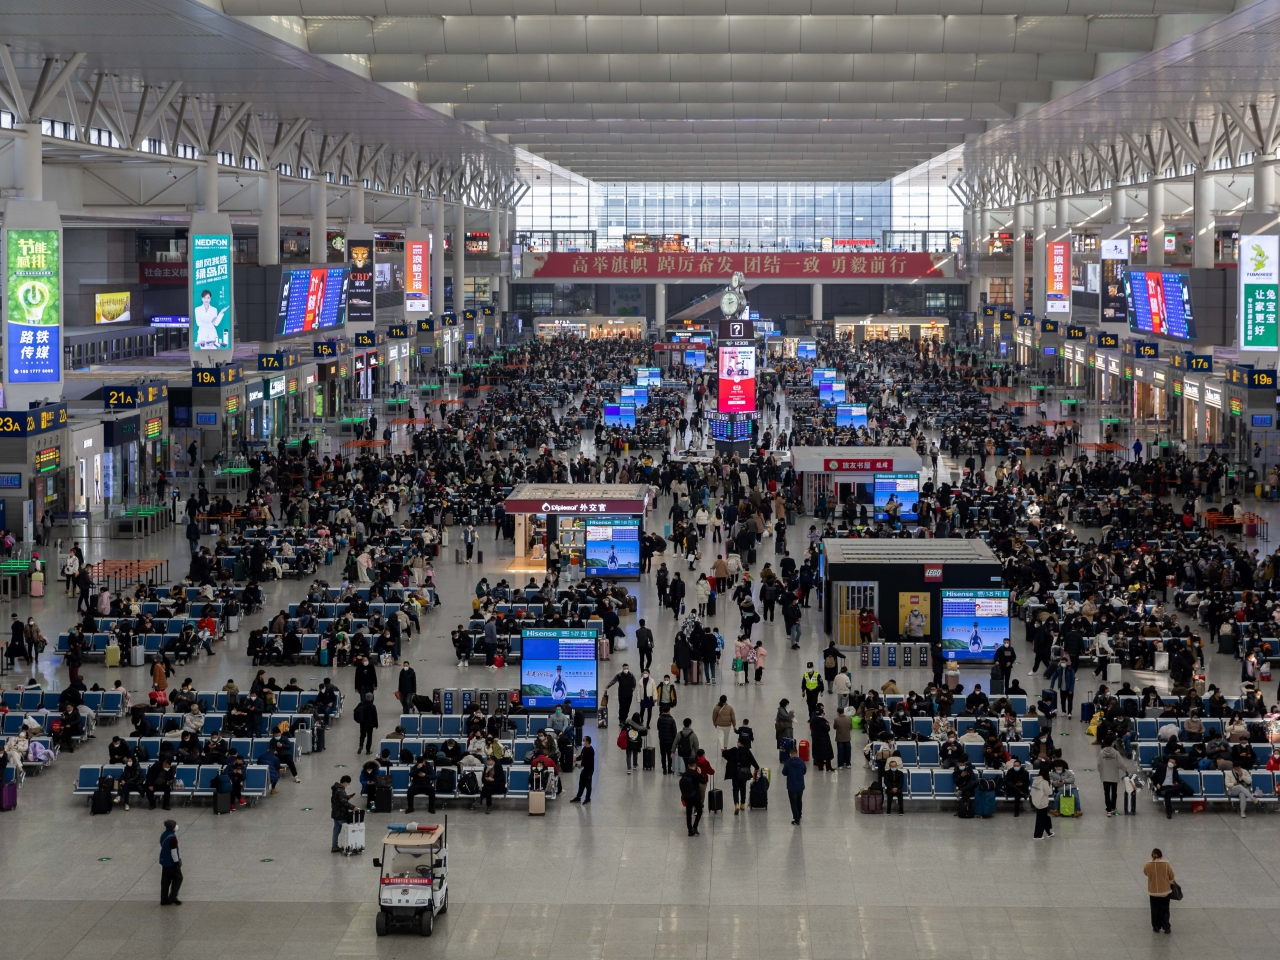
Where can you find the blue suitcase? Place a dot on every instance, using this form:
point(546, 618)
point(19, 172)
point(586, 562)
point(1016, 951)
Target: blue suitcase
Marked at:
point(984, 803)
point(784, 749)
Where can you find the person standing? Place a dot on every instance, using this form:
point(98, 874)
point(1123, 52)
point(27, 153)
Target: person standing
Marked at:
point(1041, 799)
point(1112, 764)
point(691, 783)
point(366, 715)
point(644, 645)
point(843, 727)
point(794, 770)
point(587, 770)
point(1160, 881)
point(469, 538)
point(811, 687)
point(1006, 657)
point(339, 807)
point(666, 738)
point(725, 722)
point(626, 683)
point(171, 866)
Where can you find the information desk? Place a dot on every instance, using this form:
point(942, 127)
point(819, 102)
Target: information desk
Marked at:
point(597, 527)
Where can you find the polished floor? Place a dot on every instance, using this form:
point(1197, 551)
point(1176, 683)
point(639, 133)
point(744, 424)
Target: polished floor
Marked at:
point(619, 878)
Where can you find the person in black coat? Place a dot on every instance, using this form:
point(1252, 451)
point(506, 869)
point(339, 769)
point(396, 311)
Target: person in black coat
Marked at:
point(625, 681)
point(587, 770)
point(820, 740)
point(966, 781)
point(160, 778)
point(1168, 783)
point(408, 686)
point(366, 678)
point(1017, 785)
point(895, 787)
point(675, 594)
point(741, 768)
point(422, 782)
point(366, 715)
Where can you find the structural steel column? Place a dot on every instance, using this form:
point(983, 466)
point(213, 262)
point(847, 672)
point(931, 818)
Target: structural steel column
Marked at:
point(437, 259)
point(1155, 222)
point(1038, 210)
point(1202, 250)
point(269, 220)
point(1019, 253)
point(319, 220)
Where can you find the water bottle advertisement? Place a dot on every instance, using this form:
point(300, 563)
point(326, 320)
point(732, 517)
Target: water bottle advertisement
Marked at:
point(974, 623)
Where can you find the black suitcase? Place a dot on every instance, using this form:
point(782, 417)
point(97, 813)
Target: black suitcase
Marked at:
point(751, 555)
point(715, 800)
point(649, 757)
point(100, 802)
point(711, 605)
point(317, 737)
point(758, 795)
point(446, 780)
point(384, 802)
point(221, 803)
point(479, 556)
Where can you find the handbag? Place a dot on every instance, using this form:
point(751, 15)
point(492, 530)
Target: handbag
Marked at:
point(1175, 891)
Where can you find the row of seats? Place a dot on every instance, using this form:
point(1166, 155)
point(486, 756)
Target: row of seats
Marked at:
point(923, 726)
point(1207, 785)
point(1149, 750)
point(431, 725)
point(153, 643)
point(518, 779)
point(213, 722)
point(104, 703)
point(1018, 701)
point(517, 747)
point(387, 608)
point(197, 781)
point(926, 752)
point(248, 747)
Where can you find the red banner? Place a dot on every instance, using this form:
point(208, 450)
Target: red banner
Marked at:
point(879, 464)
point(722, 266)
point(169, 274)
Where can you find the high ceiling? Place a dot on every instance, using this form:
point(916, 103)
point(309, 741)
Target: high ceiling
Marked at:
point(735, 89)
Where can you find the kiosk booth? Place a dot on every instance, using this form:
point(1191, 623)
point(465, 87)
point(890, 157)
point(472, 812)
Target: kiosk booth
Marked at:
point(841, 471)
point(596, 526)
point(958, 585)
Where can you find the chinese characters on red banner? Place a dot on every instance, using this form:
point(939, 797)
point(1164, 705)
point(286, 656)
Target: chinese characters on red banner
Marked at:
point(715, 266)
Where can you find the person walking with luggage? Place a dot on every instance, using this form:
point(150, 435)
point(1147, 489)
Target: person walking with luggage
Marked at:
point(666, 738)
point(170, 865)
point(1041, 800)
point(794, 770)
point(692, 782)
point(1160, 886)
point(366, 715)
point(725, 723)
point(741, 768)
point(633, 733)
point(625, 680)
point(340, 807)
point(587, 771)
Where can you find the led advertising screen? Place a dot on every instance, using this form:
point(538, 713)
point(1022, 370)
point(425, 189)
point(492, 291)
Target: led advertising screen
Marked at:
point(729, 428)
point(696, 359)
point(902, 487)
point(558, 665)
point(312, 299)
point(360, 283)
point(1057, 293)
point(211, 291)
point(619, 415)
point(613, 547)
point(974, 623)
point(417, 285)
point(820, 374)
point(33, 303)
point(737, 387)
point(648, 377)
point(831, 392)
point(851, 415)
point(807, 350)
point(637, 396)
point(1259, 284)
point(1159, 302)
point(111, 307)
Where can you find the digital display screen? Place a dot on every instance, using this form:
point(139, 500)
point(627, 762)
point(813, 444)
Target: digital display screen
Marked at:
point(1050, 351)
point(360, 286)
point(33, 306)
point(696, 359)
point(618, 415)
point(974, 623)
point(822, 373)
point(1263, 420)
point(111, 307)
point(613, 547)
point(1159, 303)
point(312, 300)
point(729, 428)
point(648, 377)
point(851, 415)
point(831, 391)
point(152, 428)
point(807, 350)
point(206, 419)
point(902, 487)
point(48, 459)
point(639, 396)
point(211, 302)
point(558, 665)
point(737, 380)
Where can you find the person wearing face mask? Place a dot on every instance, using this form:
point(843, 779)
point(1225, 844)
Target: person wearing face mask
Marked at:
point(1168, 783)
point(1006, 657)
point(950, 751)
point(1017, 784)
point(648, 697)
point(626, 683)
point(558, 721)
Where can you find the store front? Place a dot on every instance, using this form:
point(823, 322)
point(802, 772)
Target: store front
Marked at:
point(839, 472)
point(1023, 343)
point(1211, 434)
point(275, 409)
point(596, 527)
point(84, 468)
point(255, 395)
point(122, 459)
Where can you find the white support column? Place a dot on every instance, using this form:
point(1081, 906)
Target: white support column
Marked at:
point(660, 309)
point(415, 211)
point(355, 205)
point(319, 220)
point(460, 259)
point(32, 163)
point(437, 259)
point(984, 229)
point(1202, 252)
point(269, 220)
point(209, 184)
point(1264, 185)
point(972, 228)
point(1155, 222)
point(1119, 203)
point(495, 248)
point(815, 301)
point(1062, 217)
point(1039, 237)
point(1019, 253)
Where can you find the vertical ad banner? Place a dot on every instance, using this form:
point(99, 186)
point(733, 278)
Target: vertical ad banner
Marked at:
point(360, 285)
point(417, 283)
point(33, 299)
point(1057, 290)
point(737, 386)
point(1259, 285)
point(211, 292)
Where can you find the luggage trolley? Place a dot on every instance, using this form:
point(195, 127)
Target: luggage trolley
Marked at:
point(413, 881)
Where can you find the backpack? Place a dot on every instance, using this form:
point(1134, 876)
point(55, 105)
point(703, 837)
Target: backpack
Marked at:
point(829, 662)
point(688, 788)
point(684, 746)
point(468, 783)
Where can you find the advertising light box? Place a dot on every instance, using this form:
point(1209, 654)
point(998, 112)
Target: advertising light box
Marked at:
point(851, 415)
point(613, 547)
point(831, 392)
point(974, 623)
point(558, 665)
point(312, 299)
point(902, 487)
point(737, 379)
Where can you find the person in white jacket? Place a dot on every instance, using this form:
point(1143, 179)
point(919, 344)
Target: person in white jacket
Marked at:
point(1041, 799)
point(1238, 783)
point(842, 686)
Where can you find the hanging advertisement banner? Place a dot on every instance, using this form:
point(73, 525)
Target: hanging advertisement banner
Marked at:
point(211, 292)
point(33, 301)
point(417, 284)
point(1259, 286)
point(1057, 291)
point(360, 281)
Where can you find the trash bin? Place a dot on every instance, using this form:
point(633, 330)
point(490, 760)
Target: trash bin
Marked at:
point(468, 695)
point(891, 654)
point(450, 703)
point(877, 654)
point(486, 700)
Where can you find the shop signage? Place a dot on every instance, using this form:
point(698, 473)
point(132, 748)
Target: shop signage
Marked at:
point(756, 266)
point(48, 459)
point(371, 359)
point(121, 398)
point(1191, 390)
point(163, 274)
point(292, 386)
point(1212, 397)
point(311, 377)
point(359, 362)
point(170, 321)
point(277, 361)
point(572, 506)
point(222, 376)
point(878, 465)
point(417, 286)
point(275, 387)
point(153, 428)
point(31, 423)
point(254, 394)
point(1259, 285)
point(1113, 365)
point(933, 573)
point(1057, 293)
point(13, 481)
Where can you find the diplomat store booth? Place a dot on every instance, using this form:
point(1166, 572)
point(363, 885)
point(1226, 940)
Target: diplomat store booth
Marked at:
point(596, 527)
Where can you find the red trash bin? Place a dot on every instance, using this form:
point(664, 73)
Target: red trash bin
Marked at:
point(804, 750)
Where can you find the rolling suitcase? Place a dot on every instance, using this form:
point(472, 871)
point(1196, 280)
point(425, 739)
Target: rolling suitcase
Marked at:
point(1113, 672)
point(804, 750)
point(304, 741)
point(317, 738)
point(537, 794)
point(751, 556)
point(457, 554)
point(100, 802)
point(382, 795)
point(37, 587)
point(711, 605)
point(715, 800)
point(138, 655)
point(984, 800)
point(113, 655)
point(740, 677)
point(479, 556)
point(9, 796)
point(758, 795)
point(351, 836)
point(784, 749)
point(649, 757)
point(221, 802)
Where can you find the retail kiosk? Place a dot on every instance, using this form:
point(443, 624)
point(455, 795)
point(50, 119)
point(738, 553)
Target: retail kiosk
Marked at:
point(839, 471)
point(958, 585)
point(597, 525)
